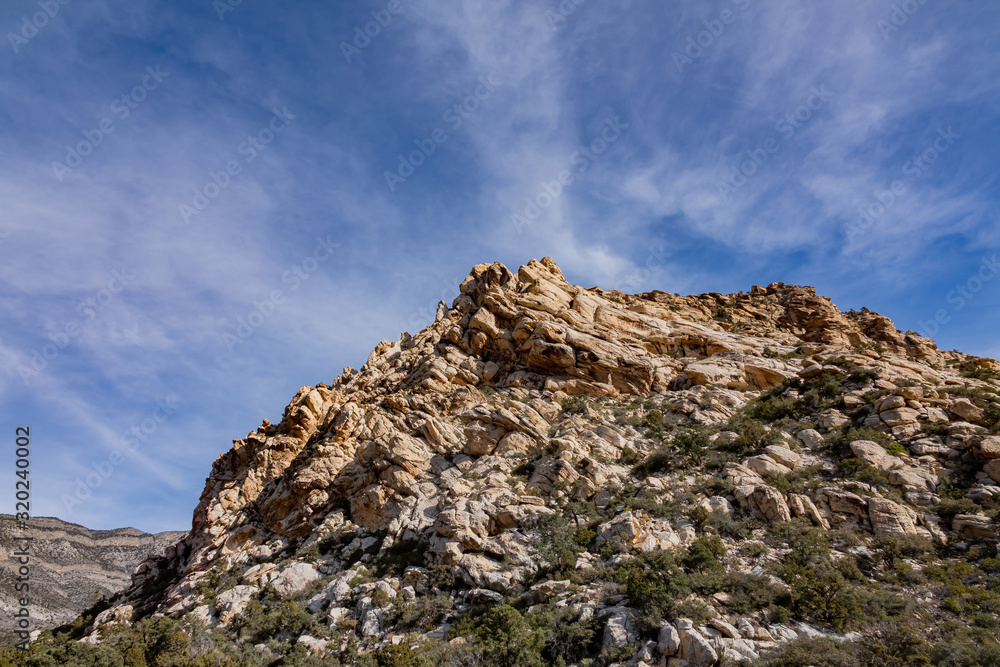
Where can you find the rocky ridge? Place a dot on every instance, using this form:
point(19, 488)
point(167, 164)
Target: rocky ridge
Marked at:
point(636, 463)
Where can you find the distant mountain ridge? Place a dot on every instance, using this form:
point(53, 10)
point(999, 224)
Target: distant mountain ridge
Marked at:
point(70, 562)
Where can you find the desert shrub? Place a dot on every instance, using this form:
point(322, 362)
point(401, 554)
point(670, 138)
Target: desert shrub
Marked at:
point(970, 368)
point(750, 592)
point(725, 525)
point(753, 436)
point(503, 636)
point(628, 456)
point(567, 637)
point(703, 554)
point(962, 646)
point(871, 476)
point(692, 442)
point(75, 654)
point(263, 620)
point(658, 460)
point(819, 652)
point(574, 405)
point(654, 582)
point(557, 543)
point(839, 443)
point(399, 655)
point(393, 560)
point(904, 546)
point(947, 509)
point(217, 580)
point(714, 486)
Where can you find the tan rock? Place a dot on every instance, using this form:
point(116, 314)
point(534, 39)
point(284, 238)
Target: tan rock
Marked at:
point(872, 454)
point(801, 505)
point(844, 502)
point(888, 518)
point(765, 502)
point(967, 410)
point(765, 465)
point(890, 403)
point(899, 416)
point(990, 447)
point(783, 456)
point(974, 526)
point(992, 468)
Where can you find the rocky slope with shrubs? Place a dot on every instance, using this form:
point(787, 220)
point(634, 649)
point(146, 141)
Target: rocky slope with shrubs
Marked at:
point(549, 474)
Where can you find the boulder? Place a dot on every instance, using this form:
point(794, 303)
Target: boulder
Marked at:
point(990, 447)
point(230, 604)
point(294, 579)
point(967, 410)
point(873, 455)
point(899, 416)
point(974, 527)
point(765, 465)
point(844, 502)
point(624, 529)
point(620, 629)
point(809, 437)
point(694, 647)
point(783, 456)
point(889, 519)
point(801, 505)
point(669, 641)
point(890, 403)
point(764, 502)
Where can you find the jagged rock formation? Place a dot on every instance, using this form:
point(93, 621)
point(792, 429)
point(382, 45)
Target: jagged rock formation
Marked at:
point(649, 429)
point(70, 563)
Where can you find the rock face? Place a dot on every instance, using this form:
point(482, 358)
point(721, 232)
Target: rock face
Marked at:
point(537, 427)
point(70, 563)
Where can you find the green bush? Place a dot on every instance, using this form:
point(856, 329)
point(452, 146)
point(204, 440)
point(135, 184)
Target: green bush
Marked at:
point(654, 582)
point(819, 652)
point(948, 509)
point(399, 655)
point(503, 636)
point(703, 555)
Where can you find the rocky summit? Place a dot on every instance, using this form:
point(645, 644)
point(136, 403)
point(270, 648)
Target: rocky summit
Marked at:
point(555, 475)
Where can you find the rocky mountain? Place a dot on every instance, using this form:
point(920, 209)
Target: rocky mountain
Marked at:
point(70, 564)
point(549, 474)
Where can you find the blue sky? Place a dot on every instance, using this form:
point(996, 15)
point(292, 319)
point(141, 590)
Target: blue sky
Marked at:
point(197, 220)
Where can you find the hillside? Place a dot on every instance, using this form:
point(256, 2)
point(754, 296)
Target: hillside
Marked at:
point(71, 563)
point(549, 474)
